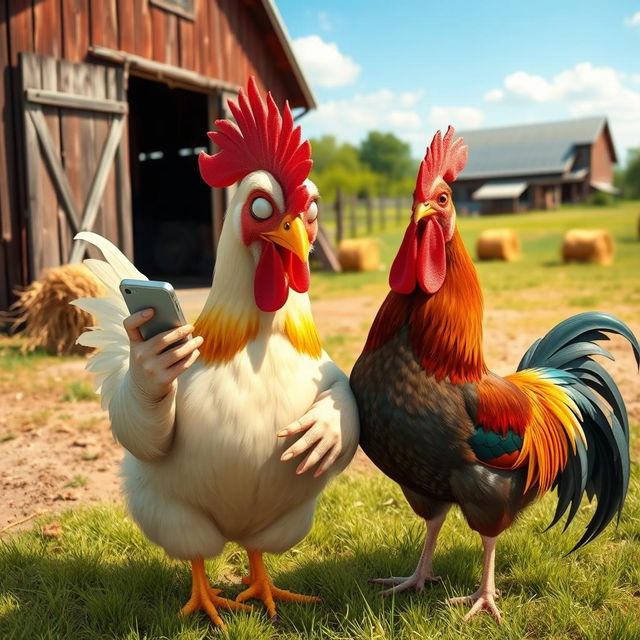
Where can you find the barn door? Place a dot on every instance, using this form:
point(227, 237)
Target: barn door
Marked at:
point(77, 157)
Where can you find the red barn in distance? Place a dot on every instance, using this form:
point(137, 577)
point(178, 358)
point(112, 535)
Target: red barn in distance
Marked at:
point(535, 166)
point(105, 106)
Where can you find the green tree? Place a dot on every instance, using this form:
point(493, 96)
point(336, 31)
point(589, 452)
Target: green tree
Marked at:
point(632, 175)
point(387, 155)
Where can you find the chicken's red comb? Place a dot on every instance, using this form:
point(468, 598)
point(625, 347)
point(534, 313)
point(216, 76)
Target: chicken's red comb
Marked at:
point(445, 158)
point(262, 139)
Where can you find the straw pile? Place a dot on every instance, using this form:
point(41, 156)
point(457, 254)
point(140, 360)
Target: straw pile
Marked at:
point(498, 244)
point(588, 245)
point(362, 254)
point(45, 315)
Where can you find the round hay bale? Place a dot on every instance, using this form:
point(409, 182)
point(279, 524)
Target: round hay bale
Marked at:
point(362, 254)
point(588, 245)
point(45, 315)
point(498, 244)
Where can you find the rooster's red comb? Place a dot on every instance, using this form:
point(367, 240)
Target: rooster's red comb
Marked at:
point(445, 158)
point(262, 139)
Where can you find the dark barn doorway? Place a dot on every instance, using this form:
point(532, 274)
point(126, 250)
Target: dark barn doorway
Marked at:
point(172, 208)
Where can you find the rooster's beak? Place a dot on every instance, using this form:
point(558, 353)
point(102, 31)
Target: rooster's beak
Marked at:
point(291, 235)
point(423, 210)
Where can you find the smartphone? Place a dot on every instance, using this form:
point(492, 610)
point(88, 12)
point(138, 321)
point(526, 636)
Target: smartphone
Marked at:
point(160, 296)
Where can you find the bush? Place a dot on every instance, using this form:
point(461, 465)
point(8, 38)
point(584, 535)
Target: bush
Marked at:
point(602, 199)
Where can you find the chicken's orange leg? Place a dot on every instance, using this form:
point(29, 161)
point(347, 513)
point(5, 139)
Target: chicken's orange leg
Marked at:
point(205, 598)
point(261, 587)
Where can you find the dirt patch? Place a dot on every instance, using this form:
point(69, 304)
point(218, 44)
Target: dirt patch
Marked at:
point(57, 452)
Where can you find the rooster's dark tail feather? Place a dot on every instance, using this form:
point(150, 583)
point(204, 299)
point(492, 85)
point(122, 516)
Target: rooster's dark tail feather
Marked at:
point(602, 468)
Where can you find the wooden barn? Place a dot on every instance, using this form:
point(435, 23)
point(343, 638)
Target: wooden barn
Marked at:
point(535, 166)
point(105, 107)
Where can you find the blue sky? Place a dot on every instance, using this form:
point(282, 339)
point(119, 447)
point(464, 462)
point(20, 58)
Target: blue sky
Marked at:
point(411, 67)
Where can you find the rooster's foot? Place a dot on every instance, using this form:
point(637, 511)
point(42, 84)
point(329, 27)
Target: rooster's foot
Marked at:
point(204, 598)
point(414, 582)
point(479, 601)
point(261, 587)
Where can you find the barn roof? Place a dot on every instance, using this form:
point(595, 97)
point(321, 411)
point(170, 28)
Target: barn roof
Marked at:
point(306, 99)
point(530, 149)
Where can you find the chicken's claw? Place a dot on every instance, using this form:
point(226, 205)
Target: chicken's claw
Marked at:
point(479, 601)
point(400, 584)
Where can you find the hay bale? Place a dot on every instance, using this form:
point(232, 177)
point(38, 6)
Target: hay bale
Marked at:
point(362, 254)
point(588, 245)
point(45, 315)
point(498, 244)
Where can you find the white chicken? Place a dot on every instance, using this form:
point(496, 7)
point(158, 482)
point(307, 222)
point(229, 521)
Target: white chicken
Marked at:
point(208, 462)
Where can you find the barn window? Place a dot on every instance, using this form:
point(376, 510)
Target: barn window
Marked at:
point(183, 8)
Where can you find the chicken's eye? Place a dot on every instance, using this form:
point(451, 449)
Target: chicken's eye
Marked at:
point(443, 198)
point(312, 211)
point(261, 209)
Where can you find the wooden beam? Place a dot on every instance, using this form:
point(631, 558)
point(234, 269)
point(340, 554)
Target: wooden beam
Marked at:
point(75, 101)
point(97, 186)
point(55, 167)
point(168, 73)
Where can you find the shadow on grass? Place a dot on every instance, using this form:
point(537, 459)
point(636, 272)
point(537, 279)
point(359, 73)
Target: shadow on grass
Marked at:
point(86, 596)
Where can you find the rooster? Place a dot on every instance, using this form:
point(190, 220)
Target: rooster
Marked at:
point(448, 430)
point(211, 454)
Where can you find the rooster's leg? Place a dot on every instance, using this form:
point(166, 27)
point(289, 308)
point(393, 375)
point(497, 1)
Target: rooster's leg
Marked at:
point(261, 587)
point(205, 598)
point(423, 573)
point(484, 599)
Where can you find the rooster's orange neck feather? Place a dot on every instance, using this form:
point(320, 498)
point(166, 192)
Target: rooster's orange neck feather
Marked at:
point(445, 329)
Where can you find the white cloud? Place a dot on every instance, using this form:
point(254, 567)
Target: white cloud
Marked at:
point(404, 119)
point(582, 90)
point(324, 63)
point(634, 20)
point(495, 95)
point(459, 117)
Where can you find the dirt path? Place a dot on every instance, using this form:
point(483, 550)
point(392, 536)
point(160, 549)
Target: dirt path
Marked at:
point(56, 453)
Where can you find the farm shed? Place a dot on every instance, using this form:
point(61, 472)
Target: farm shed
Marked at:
point(535, 166)
point(105, 107)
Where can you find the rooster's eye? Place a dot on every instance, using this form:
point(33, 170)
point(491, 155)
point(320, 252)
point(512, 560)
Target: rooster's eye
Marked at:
point(442, 198)
point(261, 209)
point(312, 212)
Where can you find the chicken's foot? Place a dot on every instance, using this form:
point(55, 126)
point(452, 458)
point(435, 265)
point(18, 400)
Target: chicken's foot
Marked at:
point(203, 597)
point(484, 599)
point(423, 573)
point(261, 587)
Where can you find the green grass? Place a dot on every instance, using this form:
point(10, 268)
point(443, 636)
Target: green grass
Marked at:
point(77, 390)
point(102, 579)
point(540, 274)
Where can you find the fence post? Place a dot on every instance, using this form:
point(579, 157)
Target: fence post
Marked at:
point(339, 215)
point(352, 209)
point(369, 205)
point(398, 210)
point(381, 205)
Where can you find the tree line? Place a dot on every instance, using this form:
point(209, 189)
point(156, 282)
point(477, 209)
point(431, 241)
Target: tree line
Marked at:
point(381, 165)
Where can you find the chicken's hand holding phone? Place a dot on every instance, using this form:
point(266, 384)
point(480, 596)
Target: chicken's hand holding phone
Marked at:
point(161, 344)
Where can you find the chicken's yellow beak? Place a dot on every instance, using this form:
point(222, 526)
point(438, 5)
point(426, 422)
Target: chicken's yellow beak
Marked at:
point(291, 235)
point(423, 210)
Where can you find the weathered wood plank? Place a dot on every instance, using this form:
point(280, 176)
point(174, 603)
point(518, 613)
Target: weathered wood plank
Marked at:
point(142, 29)
point(48, 195)
point(171, 41)
point(123, 177)
point(90, 212)
point(108, 201)
point(186, 45)
point(52, 160)
point(126, 25)
point(21, 29)
point(104, 23)
point(73, 101)
point(75, 24)
point(48, 27)
point(30, 67)
point(158, 29)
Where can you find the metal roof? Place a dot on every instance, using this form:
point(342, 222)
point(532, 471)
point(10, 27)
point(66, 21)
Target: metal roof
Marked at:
point(527, 149)
point(495, 190)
